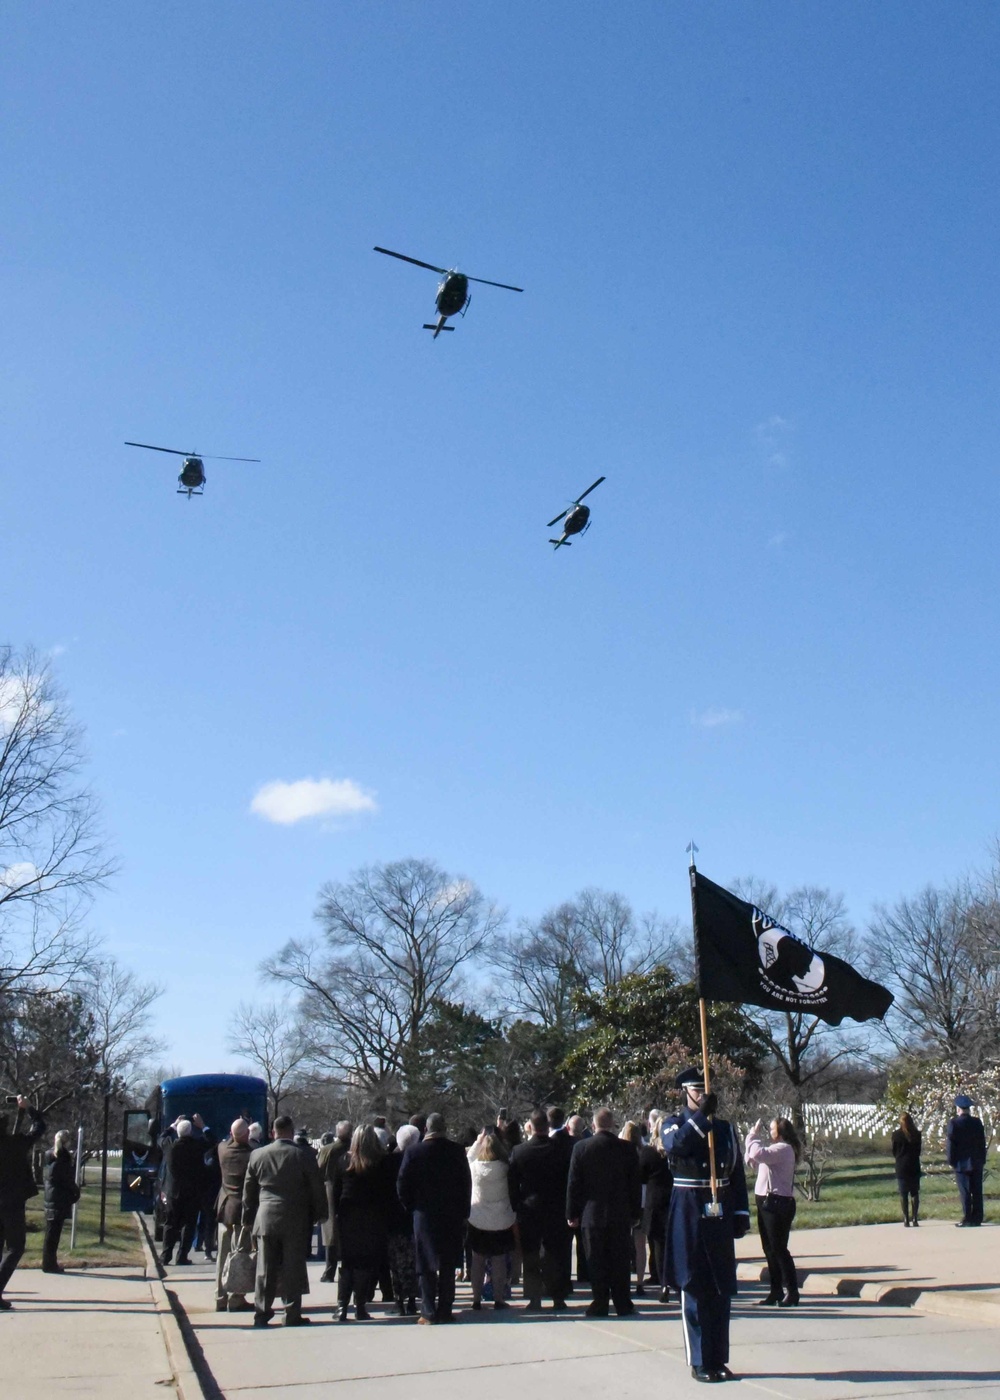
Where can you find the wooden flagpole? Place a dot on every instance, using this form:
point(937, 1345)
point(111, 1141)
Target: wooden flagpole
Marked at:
point(703, 1014)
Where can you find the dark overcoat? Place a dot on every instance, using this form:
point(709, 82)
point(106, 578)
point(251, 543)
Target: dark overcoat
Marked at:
point(966, 1143)
point(330, 1160)
point(234, 1158)
point(435, 1183)
point(603, 1188)
point(700, 1252)
point(61, 1190)
point(364, 1202)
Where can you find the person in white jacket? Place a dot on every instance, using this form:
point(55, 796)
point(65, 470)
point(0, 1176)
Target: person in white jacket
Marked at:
point(492, 1217)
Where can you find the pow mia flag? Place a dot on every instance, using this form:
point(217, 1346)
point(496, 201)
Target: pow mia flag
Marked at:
point(744, 955)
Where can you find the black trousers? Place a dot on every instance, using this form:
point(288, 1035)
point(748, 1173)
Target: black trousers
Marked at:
point(545, 1245)
point(13, 1237)
point(909, 1192)
point(775, 1227)
point(182, 1219)
point(970, 1189)
point(437, 1293)
point(609, 1261)
point(50, 1244)
point(360, 1282)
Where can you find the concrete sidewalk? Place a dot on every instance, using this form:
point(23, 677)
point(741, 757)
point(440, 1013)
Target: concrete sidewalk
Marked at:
point(830, 1348)
point(935, 1268)
point(93, 1332)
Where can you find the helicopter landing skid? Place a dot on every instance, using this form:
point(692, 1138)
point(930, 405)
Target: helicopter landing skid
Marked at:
point(437, 328)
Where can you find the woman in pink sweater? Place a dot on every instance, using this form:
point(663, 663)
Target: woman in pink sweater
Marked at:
point(775, 1161)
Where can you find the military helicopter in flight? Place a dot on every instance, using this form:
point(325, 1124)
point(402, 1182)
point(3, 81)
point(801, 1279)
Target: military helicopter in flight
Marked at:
point(192, 477)
point(577, 517)
point(452, 294)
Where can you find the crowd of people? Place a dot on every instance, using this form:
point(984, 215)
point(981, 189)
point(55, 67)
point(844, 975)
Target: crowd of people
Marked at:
point(408, 1212)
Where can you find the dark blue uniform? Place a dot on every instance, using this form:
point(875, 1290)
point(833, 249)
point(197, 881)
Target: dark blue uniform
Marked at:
point(700, 1255)
point(967, 1157)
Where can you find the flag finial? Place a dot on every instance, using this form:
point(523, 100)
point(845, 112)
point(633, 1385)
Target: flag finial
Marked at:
point(692, 851)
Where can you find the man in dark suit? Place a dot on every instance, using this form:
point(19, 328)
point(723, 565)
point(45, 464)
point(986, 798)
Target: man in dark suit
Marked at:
point(967, 1158)
point(435, 1183)
point(283, 1198)
point(183, 1188)
point(17, 1183)
point(604, 1199)
point(539, 1171)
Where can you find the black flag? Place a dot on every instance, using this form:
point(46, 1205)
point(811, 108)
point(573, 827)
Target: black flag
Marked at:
point(744, 955)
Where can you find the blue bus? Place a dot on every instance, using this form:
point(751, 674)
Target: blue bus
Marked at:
point(219, 1098)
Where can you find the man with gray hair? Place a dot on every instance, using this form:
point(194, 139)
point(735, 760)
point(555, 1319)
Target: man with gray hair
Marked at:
point(330, 1161)
point(183, 1186)
point(435, 1183)
point(234, 1158)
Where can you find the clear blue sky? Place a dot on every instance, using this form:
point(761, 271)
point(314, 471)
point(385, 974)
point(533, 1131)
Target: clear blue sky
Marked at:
point(758, 247)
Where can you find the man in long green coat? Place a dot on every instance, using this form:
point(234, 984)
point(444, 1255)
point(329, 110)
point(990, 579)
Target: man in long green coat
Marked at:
point(283, 1197)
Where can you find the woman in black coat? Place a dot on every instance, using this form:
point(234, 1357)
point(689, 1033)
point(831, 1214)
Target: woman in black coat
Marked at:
point(657, 1184)
point(906, 1145)
point(61, 1195)
point(363, 1204)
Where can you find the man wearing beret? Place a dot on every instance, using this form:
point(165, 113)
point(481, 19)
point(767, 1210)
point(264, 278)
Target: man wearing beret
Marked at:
point(701, 1254)
point(967, 1157)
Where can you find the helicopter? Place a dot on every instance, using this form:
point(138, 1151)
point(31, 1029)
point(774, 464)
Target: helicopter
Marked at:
point(577, 517)
point(192, 477)
point(452, 294)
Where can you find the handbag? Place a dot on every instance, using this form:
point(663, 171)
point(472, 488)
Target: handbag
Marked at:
point(240, 1272)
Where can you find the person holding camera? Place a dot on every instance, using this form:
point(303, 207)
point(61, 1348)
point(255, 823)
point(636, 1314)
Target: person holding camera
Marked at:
point(775, 1161)
point(17, 1184)
point(702, 1226)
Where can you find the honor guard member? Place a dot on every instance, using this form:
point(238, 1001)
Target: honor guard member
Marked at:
point(700, 1255)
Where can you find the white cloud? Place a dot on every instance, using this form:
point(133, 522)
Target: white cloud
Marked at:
point(21, 873)
point(777, 539)
point(775, 435)
point(287, 803)
point(715, 717)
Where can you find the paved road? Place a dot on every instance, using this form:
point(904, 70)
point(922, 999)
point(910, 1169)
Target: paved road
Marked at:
point(826, 1349)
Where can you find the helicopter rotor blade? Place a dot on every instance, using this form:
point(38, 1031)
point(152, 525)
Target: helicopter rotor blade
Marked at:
point(506, 285)
point(557, 519)
point(416, 261)
point(207, 457)
point(589, 489)
point(175, 451)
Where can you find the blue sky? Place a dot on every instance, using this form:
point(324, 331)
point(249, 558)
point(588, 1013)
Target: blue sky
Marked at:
point(761, 296)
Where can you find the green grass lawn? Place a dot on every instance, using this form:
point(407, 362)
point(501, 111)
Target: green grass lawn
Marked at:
point(861, 1190)
point(121, 1244)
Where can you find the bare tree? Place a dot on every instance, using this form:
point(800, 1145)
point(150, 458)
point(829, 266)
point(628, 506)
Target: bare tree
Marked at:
point(395, 939)
point(51, 856)
point(923, 949)
point(584, 945)
point(120, 1005)
point(270, 1038)
point(808, 1052)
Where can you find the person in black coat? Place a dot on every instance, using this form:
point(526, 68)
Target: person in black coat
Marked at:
point(906, 1144)
point(435, 1183)
point(61, 1195)
point(537, 1179)
point(183, 1188)
point(361, 1200)
point(604, 1199)
point(967, 1158)
point(657, 1184)
point(17, 1184)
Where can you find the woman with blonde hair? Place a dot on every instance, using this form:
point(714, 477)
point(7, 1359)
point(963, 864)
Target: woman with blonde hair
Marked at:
point(491, 1219)
point(362, 1202)
point(657, 1184)
point(631, 1132)
point(61, 1195)
point(776, 1161)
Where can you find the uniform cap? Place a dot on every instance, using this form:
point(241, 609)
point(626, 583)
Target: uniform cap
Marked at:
point(962, 1101)
point(690, 1076)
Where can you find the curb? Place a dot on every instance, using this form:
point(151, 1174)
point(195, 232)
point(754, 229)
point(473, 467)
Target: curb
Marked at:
point(169, 1315)
point(977, 1305)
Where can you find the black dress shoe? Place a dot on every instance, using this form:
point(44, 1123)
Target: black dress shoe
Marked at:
point(639, 1291)
point(703, 1373)
point(630, 1311)
point(595, 1310)
point(771, 1301)
point(298, 1321)
point(790, 1300)
point(6, 1305)
point(664, 1295)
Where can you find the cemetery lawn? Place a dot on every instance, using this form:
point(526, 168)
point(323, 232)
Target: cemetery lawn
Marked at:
point(121, 1244)
point(861, 1190)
